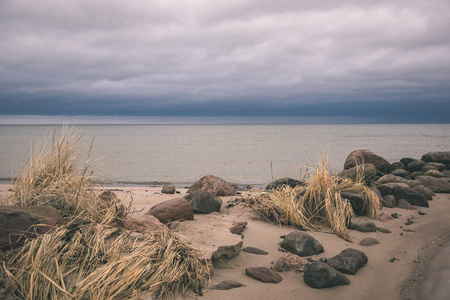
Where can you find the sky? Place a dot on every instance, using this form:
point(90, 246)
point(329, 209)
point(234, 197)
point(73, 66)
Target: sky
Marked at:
point(316, 61)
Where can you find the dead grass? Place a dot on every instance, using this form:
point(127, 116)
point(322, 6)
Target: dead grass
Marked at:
point(318, 203)
point(91, 256)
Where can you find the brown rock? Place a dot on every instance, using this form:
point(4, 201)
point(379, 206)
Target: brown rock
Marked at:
point(263, 274)
point(146, 223)
point(18, 222)
point(215, 185)
point(359, 157)
point(237, 227)
point(172, 210)
point(369, 242)
point(168, 189)
point(424, 191)
point(289, 262)
point(402, 203)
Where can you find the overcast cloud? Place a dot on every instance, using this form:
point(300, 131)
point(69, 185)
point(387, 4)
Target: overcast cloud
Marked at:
point(383, 61)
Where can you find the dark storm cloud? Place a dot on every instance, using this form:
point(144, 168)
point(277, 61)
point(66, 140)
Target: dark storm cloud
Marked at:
point(389, 59)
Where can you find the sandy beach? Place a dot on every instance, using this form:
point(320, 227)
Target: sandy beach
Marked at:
point(411, 262)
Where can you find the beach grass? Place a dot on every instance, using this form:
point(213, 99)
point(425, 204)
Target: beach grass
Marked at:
point(91, 256)
point(316, 204)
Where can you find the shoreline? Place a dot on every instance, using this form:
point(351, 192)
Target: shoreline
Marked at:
point(401, 279)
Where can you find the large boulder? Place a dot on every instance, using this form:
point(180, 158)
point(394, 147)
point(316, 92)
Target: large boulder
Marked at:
point(213, 184)
point(357, 200)
point(359, 157)
point(177, 209)
point(19, 222)
point(424, 191)
point(319, 275)
point(433, 173)
point(349, 261)
point(386, 189)
point(400, 172)
point(301, 243)
point(204, 202)
point(440, 157)
point(390, 178)
point(389, 201)
point(415, 166)
point(285, 181)
point(365, 172)
point(406, 160)
point(439, 166)
point(263, 274)
point(437, 185)
point(412, 197)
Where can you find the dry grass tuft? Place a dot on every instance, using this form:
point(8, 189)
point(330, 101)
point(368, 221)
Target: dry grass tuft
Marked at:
point(316, 204)
point(91, 256)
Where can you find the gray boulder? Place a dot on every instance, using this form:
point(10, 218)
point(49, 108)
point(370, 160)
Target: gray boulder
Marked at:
point(406, 160)
point(440, 167)
point(415, 166)
point(437, 185)
point(440, 157)
point(412, 197)
point(363, 225)
point(301, 243)
point(204, 202)
point(213, 184)
point(386, 189)
point(400, 172)
point(285, 181)
point(359, 157)
point(446, 173)
point(369, 242)
point(368, 173)
point(434, 173)
point(389, 201)
point(349, 261)
point(397, 165)
point(357, 200)
point(320, 275)
point(416, 174)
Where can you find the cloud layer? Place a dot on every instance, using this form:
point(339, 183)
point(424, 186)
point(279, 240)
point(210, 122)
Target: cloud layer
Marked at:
point(389, 59)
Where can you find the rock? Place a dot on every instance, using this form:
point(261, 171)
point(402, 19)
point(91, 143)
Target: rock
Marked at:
point(440, 157)
point(363, 225)
point(424, 191)
point(227, 251)
point(428, 167)
point(384, 217)
point(357, 200)
point(227, 285)
point(389, 178)
point(301, 243)
point(279, 183)
point(446, 173)
point(397, 165)
point(349, 261)
point(400, 172)
point(289, 262)
point(383, 230)
point(388, 201)
point(412, 183)
point(263, 274)
point(215, 185)
point(433, 173)
point(406, 160)
point(415, 166)
point(368, 172)
point(416, 174)
point(439, 166)
point(369, 242)
point(172, 210)
point(437, 185)
point(168, 189)
point(204, 202)
point(18, 222)
point(386, 189)
point(359, 157)
point(402, 203)
point(256, 251)
point(320, 275)
point(413, 197)
point(146, 223)
point(237, 227)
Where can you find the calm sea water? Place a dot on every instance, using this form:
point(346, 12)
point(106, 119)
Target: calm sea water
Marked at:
point(244, 154)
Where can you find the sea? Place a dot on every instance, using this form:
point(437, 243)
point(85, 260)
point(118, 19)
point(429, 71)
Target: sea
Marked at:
point(244, 154)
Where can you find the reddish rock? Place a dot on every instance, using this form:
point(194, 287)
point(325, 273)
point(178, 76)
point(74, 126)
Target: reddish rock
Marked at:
point(369, 242)
point(237, 227)
point(402, 203)
point(263, 274)
point(172, 210)
point(213, 184)
point(289, 262)
point(18, 222)
point(359, 157)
